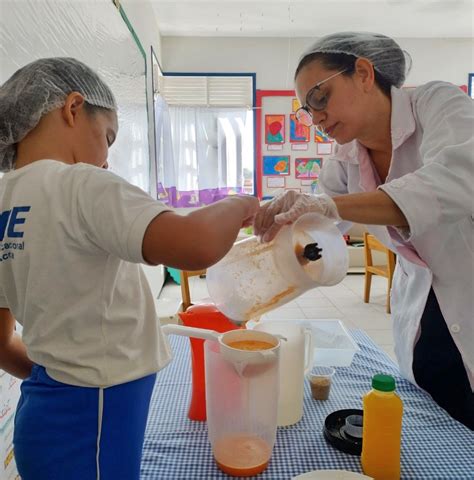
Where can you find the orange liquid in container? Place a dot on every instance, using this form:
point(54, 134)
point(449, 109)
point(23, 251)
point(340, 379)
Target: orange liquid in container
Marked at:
point(382, 429)
point(251, 345)
point(242, 455)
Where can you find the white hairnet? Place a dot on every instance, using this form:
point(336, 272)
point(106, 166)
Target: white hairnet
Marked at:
point(387, 57)
point(38, 88)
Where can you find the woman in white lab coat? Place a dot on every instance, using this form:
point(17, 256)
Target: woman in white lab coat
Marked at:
point(403, 166)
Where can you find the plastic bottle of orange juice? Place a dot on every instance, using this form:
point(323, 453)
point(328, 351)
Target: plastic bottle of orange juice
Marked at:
point(382, 430)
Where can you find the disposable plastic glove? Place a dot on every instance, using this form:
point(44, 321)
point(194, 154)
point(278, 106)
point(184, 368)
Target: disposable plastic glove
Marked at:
point(287, 208)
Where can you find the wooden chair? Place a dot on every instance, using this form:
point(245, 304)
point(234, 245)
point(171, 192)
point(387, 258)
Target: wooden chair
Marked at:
point(185, 293)
point(371, 243)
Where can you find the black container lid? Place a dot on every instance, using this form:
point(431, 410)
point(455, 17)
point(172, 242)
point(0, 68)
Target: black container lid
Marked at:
point(334, 432)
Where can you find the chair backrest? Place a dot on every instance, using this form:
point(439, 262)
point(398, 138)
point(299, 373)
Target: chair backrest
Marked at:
point(385, 270)
point(185, 290)
point(371, 243)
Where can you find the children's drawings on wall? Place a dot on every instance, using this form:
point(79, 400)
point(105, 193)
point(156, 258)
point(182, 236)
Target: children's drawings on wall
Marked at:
point(275, 146)
point(324, 148)
point(320, 136)
point(307, 167)
point(295, 104)
point(276, 165)
point(312, 184)
point(298, 131)
point(274, 129)
point(289, 146)
point(275, 182)
point(299, 146)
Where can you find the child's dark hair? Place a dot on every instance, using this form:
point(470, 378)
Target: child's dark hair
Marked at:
point(342, 61)
point(93, 109)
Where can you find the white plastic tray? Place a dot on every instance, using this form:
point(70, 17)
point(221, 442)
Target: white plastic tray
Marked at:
point(334, 345)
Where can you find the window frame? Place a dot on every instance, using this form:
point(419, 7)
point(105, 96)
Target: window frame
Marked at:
point(254, 101)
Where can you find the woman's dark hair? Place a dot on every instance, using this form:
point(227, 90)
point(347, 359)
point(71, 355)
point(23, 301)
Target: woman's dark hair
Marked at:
point(342, 61)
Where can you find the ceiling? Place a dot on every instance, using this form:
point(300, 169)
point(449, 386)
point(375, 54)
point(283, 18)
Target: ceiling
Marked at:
point(314, 18)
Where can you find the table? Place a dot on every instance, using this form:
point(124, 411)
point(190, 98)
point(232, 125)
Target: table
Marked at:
point(434, 446)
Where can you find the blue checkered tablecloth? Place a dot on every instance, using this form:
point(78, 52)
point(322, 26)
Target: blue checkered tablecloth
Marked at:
point(434, 446)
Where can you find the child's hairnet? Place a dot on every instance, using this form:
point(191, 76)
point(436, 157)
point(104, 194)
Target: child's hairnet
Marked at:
point(38, 88)
point(387, 57)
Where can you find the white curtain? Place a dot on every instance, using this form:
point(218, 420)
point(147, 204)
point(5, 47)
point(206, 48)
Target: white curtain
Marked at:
point(203, 153)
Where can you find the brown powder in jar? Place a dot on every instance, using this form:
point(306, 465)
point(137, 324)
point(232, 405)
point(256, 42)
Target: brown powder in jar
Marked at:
point(320, 387)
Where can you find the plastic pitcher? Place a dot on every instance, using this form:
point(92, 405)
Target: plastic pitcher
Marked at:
point(254, 278)
point(206, 316)
point(242, 406)
point(296, 359)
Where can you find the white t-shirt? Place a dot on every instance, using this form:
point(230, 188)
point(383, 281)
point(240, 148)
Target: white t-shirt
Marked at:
point(70, 247)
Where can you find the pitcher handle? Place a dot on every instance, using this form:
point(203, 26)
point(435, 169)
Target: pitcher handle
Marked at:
point(190, 332)
point(308, 349)
point(271, 353)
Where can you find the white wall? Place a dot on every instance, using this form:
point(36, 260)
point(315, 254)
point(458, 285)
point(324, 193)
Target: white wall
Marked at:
point(143, 20)
point(274, 59)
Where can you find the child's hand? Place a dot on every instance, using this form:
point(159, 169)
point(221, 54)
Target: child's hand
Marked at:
point(250, 205)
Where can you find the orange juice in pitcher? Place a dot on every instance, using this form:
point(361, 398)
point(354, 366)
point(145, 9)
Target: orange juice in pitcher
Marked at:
point(382, 428)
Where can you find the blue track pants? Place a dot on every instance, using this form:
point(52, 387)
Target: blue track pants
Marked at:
point(64, 432)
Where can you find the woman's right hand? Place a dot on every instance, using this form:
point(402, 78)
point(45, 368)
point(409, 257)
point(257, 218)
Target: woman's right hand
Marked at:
point(287, 208)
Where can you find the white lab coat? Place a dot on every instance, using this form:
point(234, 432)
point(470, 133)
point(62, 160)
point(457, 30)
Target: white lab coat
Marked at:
point(431, 179)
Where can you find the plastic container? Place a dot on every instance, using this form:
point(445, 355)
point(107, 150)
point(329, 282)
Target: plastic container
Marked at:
point(320, 381)
point(382, 430)
point(241, 406)
point(333, 344)
point(296, 358)
point(202, 316)
point(254, 278)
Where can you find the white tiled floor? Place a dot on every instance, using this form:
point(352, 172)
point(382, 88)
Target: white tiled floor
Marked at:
point(343, 301)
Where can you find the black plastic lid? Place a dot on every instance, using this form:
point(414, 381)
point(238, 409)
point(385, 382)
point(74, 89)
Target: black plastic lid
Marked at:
point(335, 434)
point(312, 252)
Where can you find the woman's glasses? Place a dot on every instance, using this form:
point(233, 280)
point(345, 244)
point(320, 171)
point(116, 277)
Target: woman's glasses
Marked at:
point(316, 100)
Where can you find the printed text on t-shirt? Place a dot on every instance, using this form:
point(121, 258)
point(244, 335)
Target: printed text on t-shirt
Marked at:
point(10, 222)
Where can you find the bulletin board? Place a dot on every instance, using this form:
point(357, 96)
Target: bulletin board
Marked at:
point(289, 154)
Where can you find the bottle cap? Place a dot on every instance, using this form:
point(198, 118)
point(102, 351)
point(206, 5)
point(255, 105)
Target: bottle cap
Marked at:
point(384, 383)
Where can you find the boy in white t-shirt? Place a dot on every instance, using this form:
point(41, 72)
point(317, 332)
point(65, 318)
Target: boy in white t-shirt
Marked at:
point(72, 236)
